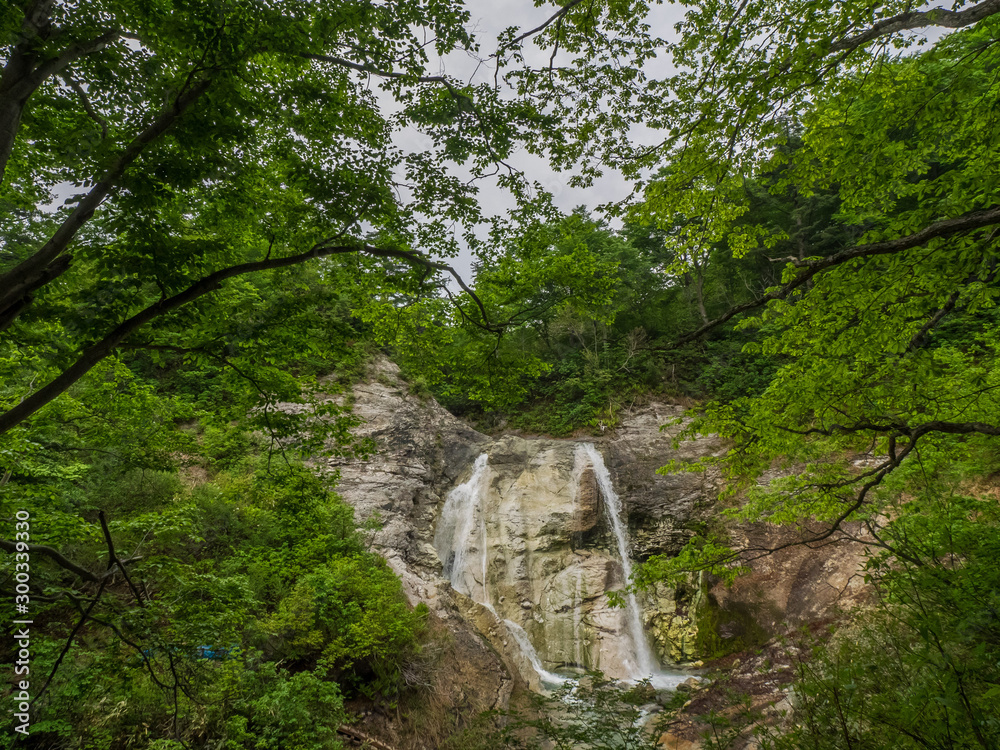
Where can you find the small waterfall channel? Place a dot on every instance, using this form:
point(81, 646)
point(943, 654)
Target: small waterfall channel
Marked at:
point(462, 543)
point(645, 664)
point(524, 643)
point(459, 537)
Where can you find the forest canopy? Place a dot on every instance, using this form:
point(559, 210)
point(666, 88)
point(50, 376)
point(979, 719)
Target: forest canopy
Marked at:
point(206, 209)
point(200, 142)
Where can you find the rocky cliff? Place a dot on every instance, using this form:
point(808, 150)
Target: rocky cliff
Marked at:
point(544, 548)
point(535, 553)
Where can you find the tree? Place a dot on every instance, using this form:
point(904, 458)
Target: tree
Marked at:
point(209, 140)
point(883, 410)
point(743, 73)
point(872, 365)
point(492, 355)
point(920, 669)
point(885, 340)
point(904, 135)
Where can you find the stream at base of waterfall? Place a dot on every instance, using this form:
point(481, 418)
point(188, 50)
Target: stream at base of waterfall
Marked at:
point(463, 542)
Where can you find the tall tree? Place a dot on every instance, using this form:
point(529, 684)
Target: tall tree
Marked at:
point(207, 140)
point(904, 135)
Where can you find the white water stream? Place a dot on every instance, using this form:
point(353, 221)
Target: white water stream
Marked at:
point(524, 643)
point(455, 537)
point(643, 663)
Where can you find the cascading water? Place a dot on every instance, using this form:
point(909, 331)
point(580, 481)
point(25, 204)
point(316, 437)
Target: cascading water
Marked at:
point(462, 544)
point(524, 643)
point(455, 537)
point(645, 664)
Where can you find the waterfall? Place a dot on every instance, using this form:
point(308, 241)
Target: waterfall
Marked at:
point(455, 536)
point(645, 663)
point(454, 539)
point(461, 541)
point(524, 643)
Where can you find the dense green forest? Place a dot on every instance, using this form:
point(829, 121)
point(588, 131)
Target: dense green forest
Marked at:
point(206, 217)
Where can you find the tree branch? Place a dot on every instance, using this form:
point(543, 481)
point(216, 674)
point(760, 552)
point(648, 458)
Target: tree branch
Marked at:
point(880, 473)
point(366, 739)
point(940, 229)
point(875, 477)
point(69, 641)
point(17, 285)
point(87, 106)
point(54, 555)
point(98, 351)
point(20, 77)
point(371, 69)
point(114, 561)
point(554, 18)
point(951, 19)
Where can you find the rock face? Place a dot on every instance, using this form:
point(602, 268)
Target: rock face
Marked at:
point(422, 450)
point(660, 508)
point(672, 622)
point(537, 550)
point(513, 536)
point(796, 585)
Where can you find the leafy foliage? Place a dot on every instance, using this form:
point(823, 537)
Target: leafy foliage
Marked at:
point(880, 406)
point(251, 608)
point(265, 570)
point(920, 668)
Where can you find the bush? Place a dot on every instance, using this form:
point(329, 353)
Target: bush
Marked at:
point(130, 490)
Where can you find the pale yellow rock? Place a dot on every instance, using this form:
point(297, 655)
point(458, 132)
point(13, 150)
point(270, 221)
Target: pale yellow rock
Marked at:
point(675, 637)
point(671, 741)
point(673, 630)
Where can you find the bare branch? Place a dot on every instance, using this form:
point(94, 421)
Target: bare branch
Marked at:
point(55, 556)
point(366, 739)
point(114, 561)
point(87, 106)
point(69, 641)
point(554, 18)
point(371, 69)
point(951, 19)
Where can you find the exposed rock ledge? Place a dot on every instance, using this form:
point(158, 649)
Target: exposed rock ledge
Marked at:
point(550, 560)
